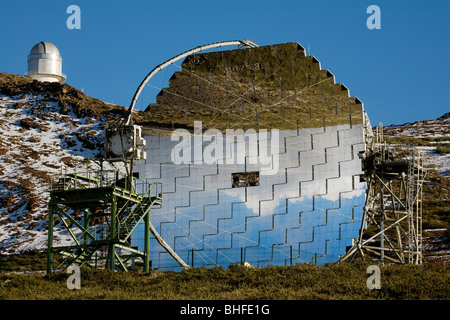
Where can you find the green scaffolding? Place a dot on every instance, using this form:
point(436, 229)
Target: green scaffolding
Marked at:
point(100, 210)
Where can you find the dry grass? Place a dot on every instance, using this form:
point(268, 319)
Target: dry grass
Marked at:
point(334, 281)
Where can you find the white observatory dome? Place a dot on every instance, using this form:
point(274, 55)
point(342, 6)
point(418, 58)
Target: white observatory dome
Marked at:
point(45, 63)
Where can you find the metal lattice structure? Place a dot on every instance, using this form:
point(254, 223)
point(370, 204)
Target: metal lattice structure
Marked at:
point(391, 228)
point(100, 210)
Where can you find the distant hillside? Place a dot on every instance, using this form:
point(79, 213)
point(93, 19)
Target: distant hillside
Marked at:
point(43, 126)
point(430, 136)
point(426, 128)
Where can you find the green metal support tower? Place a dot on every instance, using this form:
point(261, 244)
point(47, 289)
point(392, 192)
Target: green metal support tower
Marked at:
point(100, 210)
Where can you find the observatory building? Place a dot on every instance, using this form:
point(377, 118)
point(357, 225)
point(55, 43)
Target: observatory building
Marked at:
point(259, 153)
point(45, 63)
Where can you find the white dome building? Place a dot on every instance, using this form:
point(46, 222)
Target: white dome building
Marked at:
point(45, 63)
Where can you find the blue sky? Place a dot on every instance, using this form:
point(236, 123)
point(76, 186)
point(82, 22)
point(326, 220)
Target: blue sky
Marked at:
point(400, 72)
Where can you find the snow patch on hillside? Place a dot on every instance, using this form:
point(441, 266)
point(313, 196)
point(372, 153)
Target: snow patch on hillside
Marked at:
point(435, 131)
point(36, 140)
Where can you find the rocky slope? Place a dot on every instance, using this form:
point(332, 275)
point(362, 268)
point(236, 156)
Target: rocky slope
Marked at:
point(43, 126)
point(432, 137)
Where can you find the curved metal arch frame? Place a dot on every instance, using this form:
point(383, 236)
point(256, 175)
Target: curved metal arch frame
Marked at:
point(244, 43)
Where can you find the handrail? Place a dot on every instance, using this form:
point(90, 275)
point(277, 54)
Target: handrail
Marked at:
point(102, 178)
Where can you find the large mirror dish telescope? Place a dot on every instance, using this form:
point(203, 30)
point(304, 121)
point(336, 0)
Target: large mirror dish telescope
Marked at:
point(274, 174)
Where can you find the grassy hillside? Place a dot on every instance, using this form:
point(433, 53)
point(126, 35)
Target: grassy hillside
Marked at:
point(442, 144)
point(334, 281)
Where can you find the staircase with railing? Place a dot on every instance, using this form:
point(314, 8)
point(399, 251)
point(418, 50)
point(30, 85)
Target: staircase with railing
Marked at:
point(100, 210)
